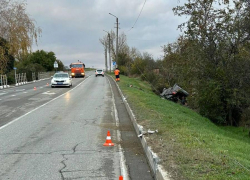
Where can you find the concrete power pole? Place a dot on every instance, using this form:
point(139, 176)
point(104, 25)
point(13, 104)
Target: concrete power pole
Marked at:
point(106, 64)
point(109, 54)
point(117, 27)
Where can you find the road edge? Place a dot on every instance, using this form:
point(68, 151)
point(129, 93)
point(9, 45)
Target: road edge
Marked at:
point(153, 159)
point(123, 165)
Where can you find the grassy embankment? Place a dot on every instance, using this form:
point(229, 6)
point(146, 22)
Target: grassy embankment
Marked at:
point(189, 145)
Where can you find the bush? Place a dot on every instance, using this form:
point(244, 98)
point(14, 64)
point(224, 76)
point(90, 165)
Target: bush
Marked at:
point(11, 77)
point(123, 70)
point(210, 102)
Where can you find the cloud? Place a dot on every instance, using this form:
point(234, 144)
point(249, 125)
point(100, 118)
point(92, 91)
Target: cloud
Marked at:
point(72, 28)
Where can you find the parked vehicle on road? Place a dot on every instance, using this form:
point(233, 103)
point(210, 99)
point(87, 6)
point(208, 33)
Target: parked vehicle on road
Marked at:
point(77, 69)
point(61, 79)
point(99, 72)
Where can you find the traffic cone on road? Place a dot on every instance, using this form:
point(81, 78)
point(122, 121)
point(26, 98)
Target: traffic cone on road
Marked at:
point(120, 178)
point(34, 88)
point(108, 140)
point(47, 84)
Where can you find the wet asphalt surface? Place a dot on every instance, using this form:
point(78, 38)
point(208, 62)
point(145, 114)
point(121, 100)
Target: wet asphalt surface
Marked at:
point(59, 133)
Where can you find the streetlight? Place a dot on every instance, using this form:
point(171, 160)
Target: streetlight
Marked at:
point(109, 51)
point(116, 56)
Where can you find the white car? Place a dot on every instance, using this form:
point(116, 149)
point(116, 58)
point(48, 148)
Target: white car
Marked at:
point(99, 72)
point(61, 79)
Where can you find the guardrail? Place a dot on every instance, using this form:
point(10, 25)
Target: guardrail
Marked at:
point(44, 75)
point(33, 76)
point(3, 81)
point(21, 79)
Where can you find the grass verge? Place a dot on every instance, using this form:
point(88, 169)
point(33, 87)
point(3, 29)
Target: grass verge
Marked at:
point(189, 145)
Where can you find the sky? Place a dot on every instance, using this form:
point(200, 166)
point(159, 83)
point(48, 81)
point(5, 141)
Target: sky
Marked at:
point(72, 28)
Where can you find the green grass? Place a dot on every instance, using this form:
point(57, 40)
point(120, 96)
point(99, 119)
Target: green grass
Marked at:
point(189, 145)
point(89, 69)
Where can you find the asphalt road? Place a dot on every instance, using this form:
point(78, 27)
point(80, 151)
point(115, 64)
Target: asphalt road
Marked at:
point(17, 101)
point(58, 133)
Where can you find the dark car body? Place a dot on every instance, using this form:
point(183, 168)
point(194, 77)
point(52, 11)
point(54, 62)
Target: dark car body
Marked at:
point(174, 93)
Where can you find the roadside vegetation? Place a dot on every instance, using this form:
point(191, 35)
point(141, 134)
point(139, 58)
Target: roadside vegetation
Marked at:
point(190, 146)
point(89, 69)
point(210, 60)
point(18, 32)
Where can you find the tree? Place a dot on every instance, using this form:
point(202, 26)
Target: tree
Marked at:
point(45, 59)
point(6, 60)
point(219, 37)
point(105, 42)
point(60, 65)
point(122, 45)
point(17, 27)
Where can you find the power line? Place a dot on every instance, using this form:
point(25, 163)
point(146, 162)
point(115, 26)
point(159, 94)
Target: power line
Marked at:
point(138, 16)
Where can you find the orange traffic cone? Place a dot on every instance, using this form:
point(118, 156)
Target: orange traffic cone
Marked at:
point(34, 88)
point(108, 140)
point(47, 84)
point(120, 178)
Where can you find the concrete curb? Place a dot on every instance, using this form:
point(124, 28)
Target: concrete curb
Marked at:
point(153, 159)
point(22, 84)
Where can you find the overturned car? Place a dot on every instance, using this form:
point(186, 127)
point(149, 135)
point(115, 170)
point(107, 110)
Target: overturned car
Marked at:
point(174, 94)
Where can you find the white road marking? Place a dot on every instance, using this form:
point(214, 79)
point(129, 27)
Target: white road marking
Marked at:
point(49, 93)
point(24, 92)
point(13, 95)
point(2, 93)
point(20, 90)
point(4, 126)
point(124, 170)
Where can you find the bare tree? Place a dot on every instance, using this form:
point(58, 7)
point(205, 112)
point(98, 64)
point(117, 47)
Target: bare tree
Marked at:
point(105, 42)
point(122, 43)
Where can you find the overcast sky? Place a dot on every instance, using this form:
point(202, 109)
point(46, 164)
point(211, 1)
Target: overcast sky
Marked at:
point(72, 28)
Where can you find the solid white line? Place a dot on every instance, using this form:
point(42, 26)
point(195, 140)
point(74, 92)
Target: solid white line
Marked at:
point(18, 90)
point(38, 107)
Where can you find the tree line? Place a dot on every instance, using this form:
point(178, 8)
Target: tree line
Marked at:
point(211, 59)
point(17, 34)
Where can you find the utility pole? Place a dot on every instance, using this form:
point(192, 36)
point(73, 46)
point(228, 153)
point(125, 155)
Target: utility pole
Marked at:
point(109, 54)
point(109, 51)
point(117, 27)
point(106, 51)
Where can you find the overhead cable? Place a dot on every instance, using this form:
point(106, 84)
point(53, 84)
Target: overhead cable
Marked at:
point(138, 16)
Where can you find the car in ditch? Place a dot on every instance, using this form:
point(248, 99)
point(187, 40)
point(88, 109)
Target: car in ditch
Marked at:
point(61, 79)
point(175, 94)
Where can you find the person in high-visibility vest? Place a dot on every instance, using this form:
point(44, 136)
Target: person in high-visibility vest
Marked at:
point(117, 74)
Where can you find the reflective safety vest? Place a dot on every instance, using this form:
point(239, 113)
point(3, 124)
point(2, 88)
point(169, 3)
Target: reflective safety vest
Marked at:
point(117, 72)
